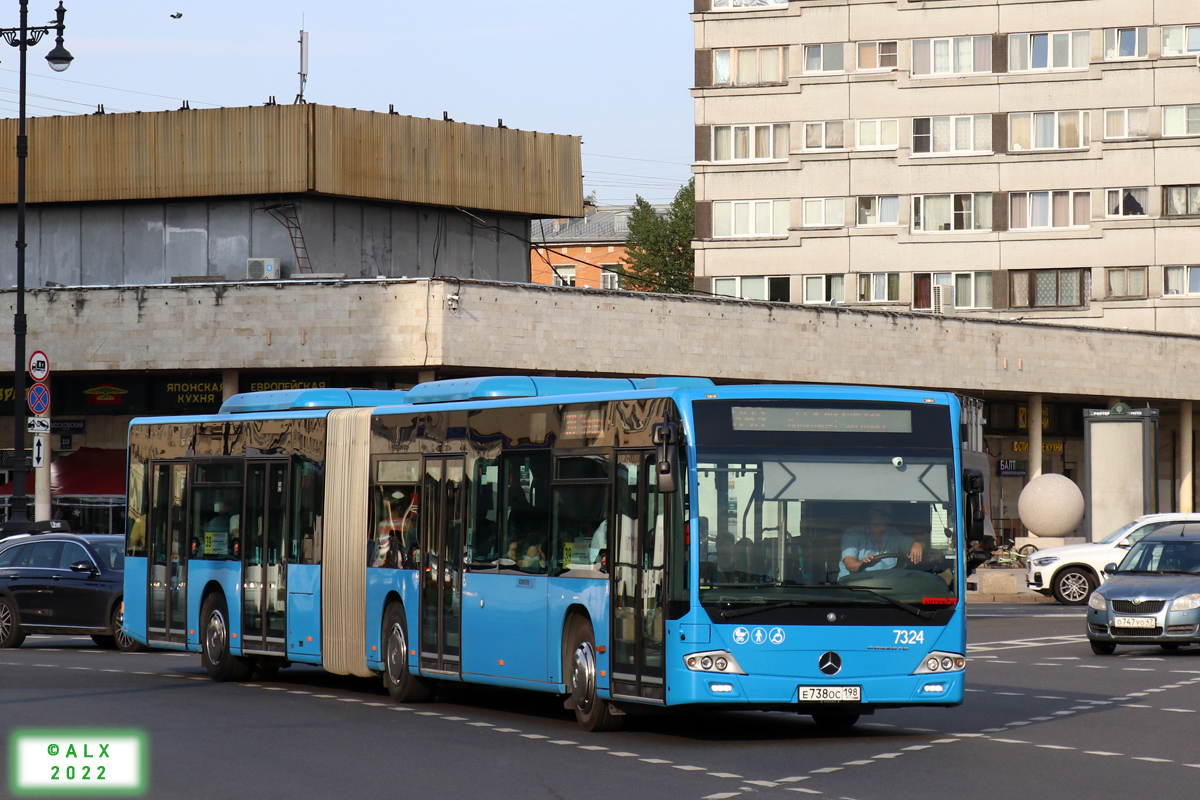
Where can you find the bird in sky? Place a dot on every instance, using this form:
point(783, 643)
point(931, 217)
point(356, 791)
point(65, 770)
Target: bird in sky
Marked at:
point(177, 15)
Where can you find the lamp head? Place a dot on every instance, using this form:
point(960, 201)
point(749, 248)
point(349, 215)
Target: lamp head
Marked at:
point(59, 58)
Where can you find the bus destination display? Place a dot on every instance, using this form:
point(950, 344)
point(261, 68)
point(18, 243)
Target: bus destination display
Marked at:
point(821, 420)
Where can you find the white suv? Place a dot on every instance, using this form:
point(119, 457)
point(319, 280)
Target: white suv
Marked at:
point(1073, 572)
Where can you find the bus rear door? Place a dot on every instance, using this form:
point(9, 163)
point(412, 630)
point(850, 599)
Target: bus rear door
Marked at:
point(441, 565)
point(264, 574)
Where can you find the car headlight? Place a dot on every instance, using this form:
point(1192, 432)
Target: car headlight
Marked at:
point(1097, 602)
point(1045, 562)
point(1186, 603)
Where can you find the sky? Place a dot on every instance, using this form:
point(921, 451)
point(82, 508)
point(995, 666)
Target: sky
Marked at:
point(616, 73)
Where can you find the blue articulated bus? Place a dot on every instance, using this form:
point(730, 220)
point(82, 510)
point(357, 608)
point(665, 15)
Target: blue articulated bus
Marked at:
point(628, 544)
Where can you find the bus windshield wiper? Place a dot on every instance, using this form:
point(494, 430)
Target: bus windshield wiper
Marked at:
point(900, 604)
point(731, 613)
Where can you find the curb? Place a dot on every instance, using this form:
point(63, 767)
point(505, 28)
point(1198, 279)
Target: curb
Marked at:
point(976, 597)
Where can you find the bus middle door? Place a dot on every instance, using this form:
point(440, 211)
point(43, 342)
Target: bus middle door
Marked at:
point(441, 565)
point(264, 574)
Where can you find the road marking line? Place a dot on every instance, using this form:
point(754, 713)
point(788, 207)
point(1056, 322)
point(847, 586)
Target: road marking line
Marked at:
point(796, 778)
point(689, 768)
point(281, 689)
point(916, 747)
point(722, 796)
point(1090, 666)
point(350, 700)
point(1047, 664)
point(1133, 705)
point(396, 708)
point(298, 691)
point(993, 730)
point(1010, 741)
point(824, 770)
point(647, 760)
point(514, 730)
point(89, 669)
point(1018, 724)
point(373, 705)
point(1063, 658)
point(1081, 708)
point(1153, 760)
point(921, 730)
point(1155, 691)
point(965, 736)
point(325, 696)
point(1099, 702)
point(978, 691)
point(1040, 719)
point(1048, 697)
point(1172, 686)
point(136, 673)
point(562, 741)
point(1136, 694)
point(1102, 753)
point(1011, 694)
point(888, 755)
point(944, 741)
point(1193, 766)
point(594, 747)
point(1054, 747)
point(857, 763)
point(448, 719)
point(1063, 713)
point(531, 735)
point(624, 755)
point(724, 775)
point(1181, 710)
point(428, 714)
point(112, 670)
point(766, 784)
point(488, 725)
point(1136, 669)
point(197, 679)
point(802, 789)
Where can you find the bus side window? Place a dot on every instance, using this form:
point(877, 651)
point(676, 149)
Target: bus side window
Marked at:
point(525, 484)
point(483, 535)
point(308, 501)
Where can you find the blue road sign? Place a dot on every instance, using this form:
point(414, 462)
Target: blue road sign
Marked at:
point(39, 398)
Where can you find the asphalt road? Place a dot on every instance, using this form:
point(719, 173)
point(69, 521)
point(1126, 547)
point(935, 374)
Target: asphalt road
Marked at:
point(1043, 717)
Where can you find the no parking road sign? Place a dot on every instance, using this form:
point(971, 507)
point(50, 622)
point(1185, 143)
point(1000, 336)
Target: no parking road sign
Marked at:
point(39, 398)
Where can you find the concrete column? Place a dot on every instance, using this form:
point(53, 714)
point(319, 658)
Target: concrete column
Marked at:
point(1034, 420)
point(229, 381)
point(1186, 457)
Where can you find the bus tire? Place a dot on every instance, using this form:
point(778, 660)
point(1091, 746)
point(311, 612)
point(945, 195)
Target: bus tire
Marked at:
point(593, 713)
point(401, 684)
point(835, 720)
point(11, 634)
point(222, 665)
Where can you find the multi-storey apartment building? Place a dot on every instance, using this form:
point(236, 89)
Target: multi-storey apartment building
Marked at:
point(1037, 158)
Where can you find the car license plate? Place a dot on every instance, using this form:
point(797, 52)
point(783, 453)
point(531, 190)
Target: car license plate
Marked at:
point(1135, 622)
point(830, 694)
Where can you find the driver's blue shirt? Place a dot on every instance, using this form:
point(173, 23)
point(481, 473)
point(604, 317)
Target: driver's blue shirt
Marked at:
point(860, 543)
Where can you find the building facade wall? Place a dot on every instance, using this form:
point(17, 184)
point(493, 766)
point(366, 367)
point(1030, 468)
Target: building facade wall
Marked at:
point(1131, 269)
point(587, 266)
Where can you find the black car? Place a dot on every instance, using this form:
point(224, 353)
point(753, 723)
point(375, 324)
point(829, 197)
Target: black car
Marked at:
point(63, 583)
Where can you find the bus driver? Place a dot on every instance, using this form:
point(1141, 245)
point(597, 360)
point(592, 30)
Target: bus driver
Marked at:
point(862, 544)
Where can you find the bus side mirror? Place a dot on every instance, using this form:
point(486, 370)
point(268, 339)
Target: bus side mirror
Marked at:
point(666, 446)
point(973, 512)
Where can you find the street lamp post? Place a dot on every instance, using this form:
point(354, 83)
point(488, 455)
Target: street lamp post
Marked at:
point(23, 38)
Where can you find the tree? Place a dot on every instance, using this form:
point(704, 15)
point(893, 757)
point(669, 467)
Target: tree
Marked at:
point(659, 255)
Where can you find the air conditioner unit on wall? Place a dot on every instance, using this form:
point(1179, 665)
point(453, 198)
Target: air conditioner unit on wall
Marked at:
point(943, 300)
point(262, 269)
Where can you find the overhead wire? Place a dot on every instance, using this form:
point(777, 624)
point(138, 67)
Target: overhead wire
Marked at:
point(111, 88)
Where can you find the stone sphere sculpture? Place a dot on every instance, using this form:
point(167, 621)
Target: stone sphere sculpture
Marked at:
point(1050, 505)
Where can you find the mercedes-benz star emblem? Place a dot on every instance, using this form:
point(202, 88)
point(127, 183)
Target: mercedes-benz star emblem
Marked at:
point(830, 663)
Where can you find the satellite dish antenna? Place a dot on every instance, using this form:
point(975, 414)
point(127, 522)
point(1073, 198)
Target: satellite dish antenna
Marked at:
point(303, 64)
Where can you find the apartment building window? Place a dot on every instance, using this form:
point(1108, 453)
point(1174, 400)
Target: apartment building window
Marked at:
point(1127, 202)
point(750, 142)
point(1049, 51)
point(750, 218)
point(1126, 123)
point(732, 5)
point(971, 289)
point(1122, 43)
point(610, 279)
point(825, 135)
point(1181, 201)
point(1179, 281)
point(940, 213)
point(878, 134)
point(878, 287)
point(1050, 130)
point(1127, 282)
point(824, 57)
point(824, 212)
point(564, 276)
point(879, 210)
point(1046, 288)
point(776, 289)
point(1049, 209)
point(960, 55)
point(876, 55)
point(1180, 40)
point(971, 134)
point(824, 288)
point(750, 65)
point(1181, 120)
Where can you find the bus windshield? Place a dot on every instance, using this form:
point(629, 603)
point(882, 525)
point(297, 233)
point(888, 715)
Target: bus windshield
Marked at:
point(780, 526)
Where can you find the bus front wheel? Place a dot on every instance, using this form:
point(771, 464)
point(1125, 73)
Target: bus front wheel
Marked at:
point(221, 664)
point(593, 713)
point(401, 684)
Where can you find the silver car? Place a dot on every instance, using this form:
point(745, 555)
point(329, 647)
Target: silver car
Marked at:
point(1153, 597)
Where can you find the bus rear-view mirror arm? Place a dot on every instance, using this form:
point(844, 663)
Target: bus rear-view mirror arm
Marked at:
point(973, 512)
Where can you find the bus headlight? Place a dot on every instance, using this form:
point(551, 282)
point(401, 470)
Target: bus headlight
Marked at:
point(720, 661)
point(941, 662)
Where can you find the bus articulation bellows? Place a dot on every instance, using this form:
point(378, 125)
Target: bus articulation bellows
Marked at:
point(627, 544)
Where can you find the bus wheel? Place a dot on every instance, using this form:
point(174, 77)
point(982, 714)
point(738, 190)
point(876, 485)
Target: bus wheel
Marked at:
point(214, 643)
point(835, 719)
point(591, 712)
point(401, 684)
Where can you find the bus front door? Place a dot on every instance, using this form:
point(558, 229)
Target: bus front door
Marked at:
point(441, 565)
point(264, 574)
point(638, 580)
point(166, 599)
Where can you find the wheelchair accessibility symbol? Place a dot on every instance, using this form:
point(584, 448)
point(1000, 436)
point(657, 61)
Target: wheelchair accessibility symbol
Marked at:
point(777, 636)
point(741, 636)
point(759, 636)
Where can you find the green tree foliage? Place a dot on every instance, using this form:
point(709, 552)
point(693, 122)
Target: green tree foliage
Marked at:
point(659, 255)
